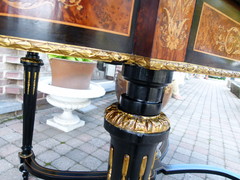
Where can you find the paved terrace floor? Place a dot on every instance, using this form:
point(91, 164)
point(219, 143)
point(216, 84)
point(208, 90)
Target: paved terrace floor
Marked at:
point(205, 129)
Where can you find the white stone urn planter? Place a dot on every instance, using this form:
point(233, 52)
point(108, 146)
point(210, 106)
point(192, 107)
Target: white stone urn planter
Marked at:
point(68, 100)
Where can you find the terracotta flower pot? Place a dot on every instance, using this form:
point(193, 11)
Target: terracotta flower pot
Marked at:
point(71, 74)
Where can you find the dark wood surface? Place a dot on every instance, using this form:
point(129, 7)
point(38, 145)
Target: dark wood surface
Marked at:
point(146, 22)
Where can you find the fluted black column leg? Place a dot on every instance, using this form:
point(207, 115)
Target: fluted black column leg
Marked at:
point(31, 65)
point(136, 124)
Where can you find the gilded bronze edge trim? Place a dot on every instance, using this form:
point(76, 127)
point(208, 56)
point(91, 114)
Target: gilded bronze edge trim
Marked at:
point(23, 156)
point(109, 56)
point(135, 123)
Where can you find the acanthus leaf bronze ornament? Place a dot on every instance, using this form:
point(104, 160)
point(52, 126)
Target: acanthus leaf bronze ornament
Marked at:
point(135, 123)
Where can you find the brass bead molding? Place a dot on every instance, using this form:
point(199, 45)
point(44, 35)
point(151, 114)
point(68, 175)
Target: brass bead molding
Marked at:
point(135, 123)
point(109, 56)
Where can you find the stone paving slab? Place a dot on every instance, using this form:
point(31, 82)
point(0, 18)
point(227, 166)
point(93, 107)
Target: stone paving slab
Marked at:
point(205, 129)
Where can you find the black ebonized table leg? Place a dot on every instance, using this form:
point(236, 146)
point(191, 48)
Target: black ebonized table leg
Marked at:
point(136, 124)
point(31, 64)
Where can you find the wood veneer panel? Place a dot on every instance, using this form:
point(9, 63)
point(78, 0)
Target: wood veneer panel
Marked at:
point(218, 34)
point(113, 16)
point(172, 29)
point(209, 44)
point(145, 28)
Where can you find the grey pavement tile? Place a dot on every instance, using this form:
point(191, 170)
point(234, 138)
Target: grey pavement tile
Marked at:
point(215, 177)
point(88, 148)
point(11, 174)
point(63, 163)
point(103, 167)
point(194, 160)
point(97, 142)
point(193, 177)
point(52, 132)
point(186, 145)
point(49, 143)
point(94, 133)
point(184, 151)
point(85, 137)
point(100, 129)
point(8, 149)
point(172, 177)
point(101, 154)
point(17, 127)
point(74, 142)
point(41, 163)
point(105, 136)
point(13, 159)
point(62, 149)
point(181, 157)
point(10, 137)
point(202, 150)
point(48, 156)
point(199, 156)
point(5, 165)
point(63, 137)
point(79, 167)
point(233, 165)
point(18, 143)
point(5, 131)
point(14, 121)
point(106, 147)
point(91, 162)
point(41, 127)
point(2, 142)
point(216, 153)
point(39, 137)
point(38, 149)
point(76, 155)
point(91, 125)
point(75, 133)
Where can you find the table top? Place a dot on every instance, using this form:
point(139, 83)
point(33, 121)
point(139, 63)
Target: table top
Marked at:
point(195, 36)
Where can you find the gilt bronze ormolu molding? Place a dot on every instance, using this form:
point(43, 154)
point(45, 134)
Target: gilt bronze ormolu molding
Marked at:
point(135, 123)
point(110, 56)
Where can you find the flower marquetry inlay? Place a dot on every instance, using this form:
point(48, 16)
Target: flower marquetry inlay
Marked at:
point(174, 28)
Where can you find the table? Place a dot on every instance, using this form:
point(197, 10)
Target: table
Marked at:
point(152, 39)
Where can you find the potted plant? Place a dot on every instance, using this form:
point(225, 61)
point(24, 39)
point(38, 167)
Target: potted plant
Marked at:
point(71, 72)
